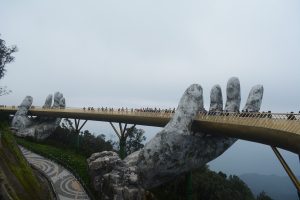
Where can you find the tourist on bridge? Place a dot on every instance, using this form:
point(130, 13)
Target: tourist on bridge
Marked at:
point(291, 116)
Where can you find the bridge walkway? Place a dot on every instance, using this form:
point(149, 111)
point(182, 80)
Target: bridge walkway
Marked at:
point(276, 129)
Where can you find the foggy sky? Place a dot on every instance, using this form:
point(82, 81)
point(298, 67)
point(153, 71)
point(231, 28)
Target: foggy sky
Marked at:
point(146, 53)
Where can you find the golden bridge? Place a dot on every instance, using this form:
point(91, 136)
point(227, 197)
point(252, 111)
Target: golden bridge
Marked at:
point(275, 129)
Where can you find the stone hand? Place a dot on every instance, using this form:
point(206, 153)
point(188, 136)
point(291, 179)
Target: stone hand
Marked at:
point(39, 127)
point(177, 149)
point(174, 150)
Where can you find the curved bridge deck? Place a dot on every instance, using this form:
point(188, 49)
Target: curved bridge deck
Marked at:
point(275, 129)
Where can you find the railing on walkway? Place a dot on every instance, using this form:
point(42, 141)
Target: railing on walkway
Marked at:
point(288, 122)
point(277, 129)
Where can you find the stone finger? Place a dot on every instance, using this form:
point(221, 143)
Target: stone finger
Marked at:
point(216, 99)
point(62, 103)
point(48, 101)
point(189, 105)
point(233, 92)
point(57, 97)
point(254, 100)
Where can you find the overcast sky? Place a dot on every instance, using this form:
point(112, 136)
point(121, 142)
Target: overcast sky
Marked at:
point(139, 53)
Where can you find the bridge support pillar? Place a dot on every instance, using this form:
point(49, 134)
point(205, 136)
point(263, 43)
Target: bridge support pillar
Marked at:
point(78, 128)
point(122, 135)
point(287, 169)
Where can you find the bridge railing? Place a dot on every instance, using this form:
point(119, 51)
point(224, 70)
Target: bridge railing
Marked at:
point(281, 121)
point(114, 111)
point(289, 122)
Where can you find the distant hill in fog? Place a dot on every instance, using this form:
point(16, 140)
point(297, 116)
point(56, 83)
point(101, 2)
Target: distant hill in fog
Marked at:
point(277, 187)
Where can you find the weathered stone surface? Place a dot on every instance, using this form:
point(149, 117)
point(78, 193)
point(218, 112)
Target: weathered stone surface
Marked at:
point(216, 99)
point(48, 101)
point(39, 128)
point(165, 154)
point(233, 92)
point(113, 178)
point(233, 95)
point(254, 99)
point(173, 151)
point(59, 100)
point(21, 121)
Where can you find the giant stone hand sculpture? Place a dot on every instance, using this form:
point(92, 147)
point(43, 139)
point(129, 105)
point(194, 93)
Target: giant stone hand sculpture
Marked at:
point(174, 150)
point(40, 127)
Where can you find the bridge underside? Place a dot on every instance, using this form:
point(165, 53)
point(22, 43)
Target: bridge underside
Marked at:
point(282, 139)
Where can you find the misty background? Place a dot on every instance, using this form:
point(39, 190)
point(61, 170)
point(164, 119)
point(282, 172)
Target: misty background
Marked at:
point(146, 53)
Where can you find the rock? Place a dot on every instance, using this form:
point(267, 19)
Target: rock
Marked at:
point(21, 120)
point(113, 178)
point(233, 95)
point(41, 127)
point(58, 98)
point(164, 156)
point(254, 99)
point(216, 99)
point(48, 101)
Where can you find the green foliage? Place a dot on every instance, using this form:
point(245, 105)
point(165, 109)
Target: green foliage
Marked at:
point(134, 140)
point(21, 183)
point(85, 143)
point(67, 157)
point(91, 144)
point(263, 196)
point(131, 141)
point(62, 147)
point(67, 124)
point(207, 185)
point(5, 56)
point(4, 117)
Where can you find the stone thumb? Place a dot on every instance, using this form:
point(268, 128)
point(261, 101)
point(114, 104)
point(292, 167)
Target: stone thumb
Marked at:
point(189, 105)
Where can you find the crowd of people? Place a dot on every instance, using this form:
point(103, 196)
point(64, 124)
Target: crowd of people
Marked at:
point(243, 113)
point(152, 110)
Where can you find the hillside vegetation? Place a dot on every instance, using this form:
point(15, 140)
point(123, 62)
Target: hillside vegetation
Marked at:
point(17, 179)
point(207, 185)
point(277, 187)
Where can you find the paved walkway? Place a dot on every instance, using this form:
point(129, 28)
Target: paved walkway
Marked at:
point(65, 184)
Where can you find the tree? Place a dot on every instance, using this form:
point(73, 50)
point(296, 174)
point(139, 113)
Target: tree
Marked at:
point(130, 139)
point(68, 125)
point(207, 185)
point(263, 196)
point(5, 58)
point(85, 143)
point(134, 140)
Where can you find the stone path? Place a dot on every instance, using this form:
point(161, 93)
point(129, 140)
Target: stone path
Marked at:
point(65, 184)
